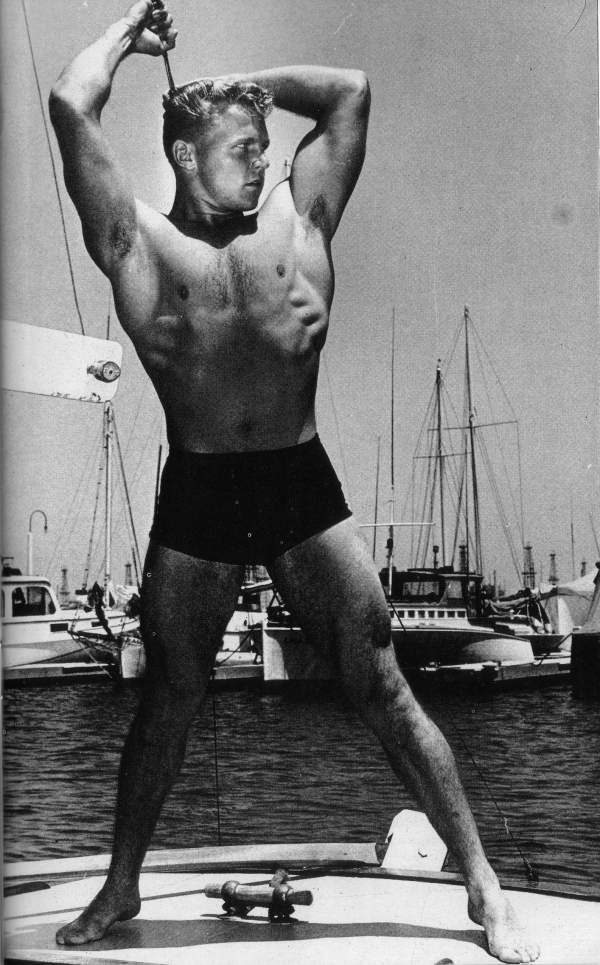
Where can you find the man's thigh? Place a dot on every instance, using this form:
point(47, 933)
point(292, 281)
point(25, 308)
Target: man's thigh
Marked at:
point(331, 585)
point(186, 606)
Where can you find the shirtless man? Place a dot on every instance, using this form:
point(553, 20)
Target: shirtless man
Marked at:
point(228, 311)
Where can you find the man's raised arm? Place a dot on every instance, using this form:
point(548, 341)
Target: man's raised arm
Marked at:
point(94, 179)
point(329, 159)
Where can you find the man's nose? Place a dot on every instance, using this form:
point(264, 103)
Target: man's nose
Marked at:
point(260, 163)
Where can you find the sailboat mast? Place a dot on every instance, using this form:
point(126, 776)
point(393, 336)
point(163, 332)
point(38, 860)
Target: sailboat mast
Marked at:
point(376, 495)
point(390, 542)
point(438, 394)
point(108, 418)
point(476, 520)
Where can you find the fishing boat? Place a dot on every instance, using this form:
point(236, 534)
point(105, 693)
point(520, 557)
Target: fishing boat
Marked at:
point(36, 629)
point(267, 903)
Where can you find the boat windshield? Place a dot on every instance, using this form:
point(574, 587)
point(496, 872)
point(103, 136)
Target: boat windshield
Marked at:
point(31, 601)
point(422, 590)
point(442, 590)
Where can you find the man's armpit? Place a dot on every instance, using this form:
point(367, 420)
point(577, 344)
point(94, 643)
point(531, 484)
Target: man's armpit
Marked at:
point(318, 214)
point(121, 238)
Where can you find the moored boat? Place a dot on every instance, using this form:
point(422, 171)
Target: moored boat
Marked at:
point(37, 629)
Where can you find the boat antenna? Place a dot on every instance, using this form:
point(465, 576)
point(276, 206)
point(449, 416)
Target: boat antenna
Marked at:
point(53, 166)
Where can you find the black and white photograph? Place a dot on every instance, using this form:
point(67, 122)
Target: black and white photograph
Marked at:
point(300, 522)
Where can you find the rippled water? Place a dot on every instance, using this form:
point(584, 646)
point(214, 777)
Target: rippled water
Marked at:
point(304, 768)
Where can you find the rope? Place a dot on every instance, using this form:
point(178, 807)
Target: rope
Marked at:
point(216, 760)
point(530, 869)
point(53, 165)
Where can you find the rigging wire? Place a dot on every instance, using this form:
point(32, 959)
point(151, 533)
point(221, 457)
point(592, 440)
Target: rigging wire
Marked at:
point(216, 763)
point(500, 448)
point(88, 559)
point(75, 508)
point(53, 165)
point(337, 429)
point(530, 869)
point(137, 558)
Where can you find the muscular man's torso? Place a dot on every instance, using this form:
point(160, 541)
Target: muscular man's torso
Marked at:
point(229, 325)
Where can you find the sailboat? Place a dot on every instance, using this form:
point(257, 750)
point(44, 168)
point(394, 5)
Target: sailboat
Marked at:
point(439, 610)
point(36, 627)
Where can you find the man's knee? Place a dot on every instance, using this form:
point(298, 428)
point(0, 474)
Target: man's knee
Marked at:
point(376, 623)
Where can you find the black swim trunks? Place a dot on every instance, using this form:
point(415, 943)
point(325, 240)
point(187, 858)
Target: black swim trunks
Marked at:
point(247, 507)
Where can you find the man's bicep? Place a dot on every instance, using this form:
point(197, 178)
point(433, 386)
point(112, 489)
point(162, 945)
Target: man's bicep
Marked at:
point(328, 162)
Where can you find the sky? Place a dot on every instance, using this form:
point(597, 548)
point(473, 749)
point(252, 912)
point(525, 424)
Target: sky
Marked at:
point(479, 188)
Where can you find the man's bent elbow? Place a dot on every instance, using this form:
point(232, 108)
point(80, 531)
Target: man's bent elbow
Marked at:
point(61, 104)
point(359, 90)
point(67, 102)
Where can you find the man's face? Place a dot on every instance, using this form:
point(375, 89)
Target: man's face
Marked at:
point(231, 161)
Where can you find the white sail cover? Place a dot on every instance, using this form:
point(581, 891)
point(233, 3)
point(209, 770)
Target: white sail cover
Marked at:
point(568, 604)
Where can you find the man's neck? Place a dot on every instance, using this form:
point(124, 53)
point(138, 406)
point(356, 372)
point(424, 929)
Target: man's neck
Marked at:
point(217, 229)
point(189, 209)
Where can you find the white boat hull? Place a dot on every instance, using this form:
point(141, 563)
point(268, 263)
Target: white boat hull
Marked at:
point(31, 640)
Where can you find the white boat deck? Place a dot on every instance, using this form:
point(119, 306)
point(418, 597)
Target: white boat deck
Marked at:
point(373, 915)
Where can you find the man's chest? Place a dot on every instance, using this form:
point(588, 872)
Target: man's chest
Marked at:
point(249, 273)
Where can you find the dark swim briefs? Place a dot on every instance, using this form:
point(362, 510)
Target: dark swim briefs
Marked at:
point(247, 507)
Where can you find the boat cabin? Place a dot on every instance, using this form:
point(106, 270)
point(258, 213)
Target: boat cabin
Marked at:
point(24, 596)
point(449, 593)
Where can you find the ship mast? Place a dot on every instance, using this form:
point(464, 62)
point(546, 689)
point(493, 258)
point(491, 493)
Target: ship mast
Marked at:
point(475, 495)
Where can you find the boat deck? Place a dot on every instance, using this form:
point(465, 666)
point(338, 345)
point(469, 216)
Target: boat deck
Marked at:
point(360, 915)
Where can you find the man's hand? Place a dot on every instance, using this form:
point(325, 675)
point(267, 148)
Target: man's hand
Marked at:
point(151, 28)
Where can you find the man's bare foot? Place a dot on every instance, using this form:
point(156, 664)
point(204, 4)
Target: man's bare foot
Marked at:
point(106, 909)
point(507, 940)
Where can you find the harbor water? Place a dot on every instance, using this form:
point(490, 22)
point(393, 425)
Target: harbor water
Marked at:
point(301, 767)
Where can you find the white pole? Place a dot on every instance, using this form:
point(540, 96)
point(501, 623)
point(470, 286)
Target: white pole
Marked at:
point(30, 539)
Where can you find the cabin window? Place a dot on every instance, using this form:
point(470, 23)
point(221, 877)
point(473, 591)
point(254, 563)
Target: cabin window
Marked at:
point(431, 614)
point(422, 614)
point(421, 590)
point(411, 613)
point(450, 613)
point(31, 601)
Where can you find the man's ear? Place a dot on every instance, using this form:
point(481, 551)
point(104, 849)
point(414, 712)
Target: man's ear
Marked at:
point(184, 155)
